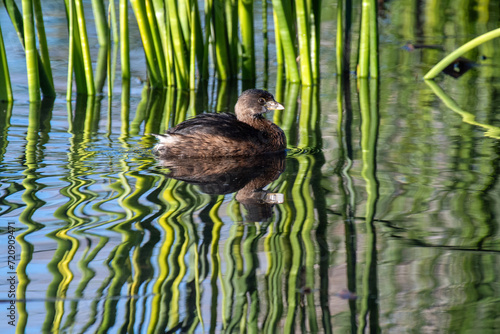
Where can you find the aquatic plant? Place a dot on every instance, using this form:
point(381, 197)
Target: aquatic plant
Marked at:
point(439, 67)
point(177, 49)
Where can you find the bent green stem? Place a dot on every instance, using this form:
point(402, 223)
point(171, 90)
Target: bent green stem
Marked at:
point(460, 51)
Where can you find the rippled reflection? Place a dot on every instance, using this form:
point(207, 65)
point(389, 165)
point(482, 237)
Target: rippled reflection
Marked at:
point(245, 176)
point(382, 216)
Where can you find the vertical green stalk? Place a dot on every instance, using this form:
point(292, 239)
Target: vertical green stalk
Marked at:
point(208, 29)
point(159, 55)
point(286, 41)
point(101, 68)
point(315, 33)
point(373, 40)
point(364, 40)
point(279, 46)
point(114, 65)
point(31, 52)
point(5, 84)
point(71, 50)
point(147, 41)
point(87, 61)
point(44, 50)
point(222, 59)
point(340, 31)
point(289, 121)
point(169, 56)
point(110, 74)
point(178, 44)
point(113, 50)
point(124, 45)
point(17, 20)
point(265, 42)
point(245, 11)
point(304, 47)
point(305, 117)
point(183, 13)
point(192, 52)
point(101, 25)
point(78, 63)
point(162, 45)
point(113, 20)
point(125, 111)
point(196, 25)
point(231, 34)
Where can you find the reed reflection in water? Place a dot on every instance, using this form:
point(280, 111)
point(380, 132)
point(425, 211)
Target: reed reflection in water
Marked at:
point(111, 239)
point(131, 243)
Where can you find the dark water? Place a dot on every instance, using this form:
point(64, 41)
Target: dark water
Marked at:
point(384, 215)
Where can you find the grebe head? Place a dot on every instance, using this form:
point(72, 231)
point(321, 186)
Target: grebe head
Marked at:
point(255, 102)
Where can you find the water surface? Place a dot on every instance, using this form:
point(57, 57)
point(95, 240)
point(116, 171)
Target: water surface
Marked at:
point(388, 220)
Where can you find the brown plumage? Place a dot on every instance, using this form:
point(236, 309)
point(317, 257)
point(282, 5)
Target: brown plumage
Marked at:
point(217, 135)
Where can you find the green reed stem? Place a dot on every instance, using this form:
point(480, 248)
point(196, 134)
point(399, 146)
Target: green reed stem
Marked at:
point(289, 119)
point(17, 20)
point(71, 50)
point(164, 36)
point(87, 61)
point(178, 44)
point(206, 46)
point(125, 111)
point(373, 39)
point(114, 22)
point(315, 35)
point(304, 47)
point(42, 42)
point(169, 56)
point(364, 40)
point(305, 116)
point(5, 84)
point(192, 52)
point(184, 15)
point(110, 73)
point(31, 52)
point(147, 41)
point(265, 42)
point(124, 45)
point(340, 35)
point(231, 12)
point(196, 25)
point(101, 24)
point(222, 59)
point(460, 51)
point(279, 46)
point(78, 63)
point(245, 13)
point(286, 40)
point(151, 10)
point(114, 63)
point(101, 69)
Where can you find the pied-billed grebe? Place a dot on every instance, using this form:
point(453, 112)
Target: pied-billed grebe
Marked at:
point(218, 135)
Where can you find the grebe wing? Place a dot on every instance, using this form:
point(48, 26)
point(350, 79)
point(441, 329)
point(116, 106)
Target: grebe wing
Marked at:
point(222, 124)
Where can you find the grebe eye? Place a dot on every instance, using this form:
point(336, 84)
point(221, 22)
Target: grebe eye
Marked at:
point(262, 101)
